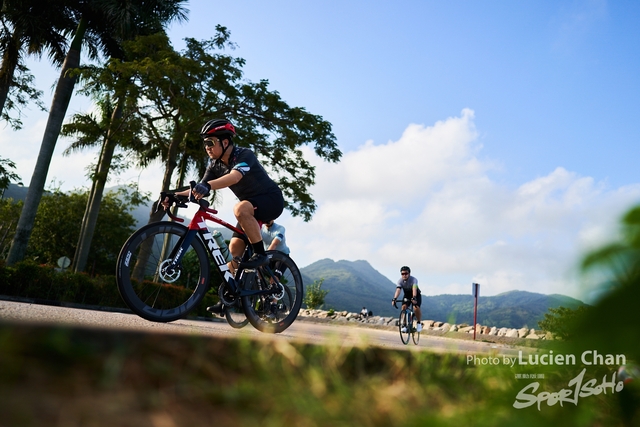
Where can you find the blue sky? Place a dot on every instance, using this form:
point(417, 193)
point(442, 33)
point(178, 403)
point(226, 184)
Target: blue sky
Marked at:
point(484, 141)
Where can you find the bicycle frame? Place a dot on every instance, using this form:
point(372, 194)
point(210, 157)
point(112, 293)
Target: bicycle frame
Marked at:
point(164, 270)
point(198, 226)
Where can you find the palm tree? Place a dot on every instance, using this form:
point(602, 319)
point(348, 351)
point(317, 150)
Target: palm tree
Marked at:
point(104, 24)
point(113, 129)
point(29, 27)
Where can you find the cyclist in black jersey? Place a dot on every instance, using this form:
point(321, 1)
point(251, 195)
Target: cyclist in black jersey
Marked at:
point(238, 168)
point(409, 285)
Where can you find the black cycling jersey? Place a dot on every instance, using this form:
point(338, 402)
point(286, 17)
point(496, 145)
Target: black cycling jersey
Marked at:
point(254, 181)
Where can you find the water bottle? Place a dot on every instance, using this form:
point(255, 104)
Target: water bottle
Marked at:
point(224, 249)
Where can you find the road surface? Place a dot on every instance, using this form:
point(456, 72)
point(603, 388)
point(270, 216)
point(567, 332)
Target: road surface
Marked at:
point(299, 331)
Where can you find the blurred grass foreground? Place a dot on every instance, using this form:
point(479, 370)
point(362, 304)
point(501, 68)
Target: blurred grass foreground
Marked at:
point(53, 376)
point(75, 377)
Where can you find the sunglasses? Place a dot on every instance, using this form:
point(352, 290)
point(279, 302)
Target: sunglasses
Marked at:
point(210, 142)
point(405, 273)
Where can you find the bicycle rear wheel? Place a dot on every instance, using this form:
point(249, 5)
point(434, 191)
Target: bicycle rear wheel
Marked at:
point(404, 322)
point(275, 311)
point(151, 289)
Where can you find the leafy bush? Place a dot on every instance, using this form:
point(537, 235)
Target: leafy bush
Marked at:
point(314, 297)
point(560, 321)
point(27, 279)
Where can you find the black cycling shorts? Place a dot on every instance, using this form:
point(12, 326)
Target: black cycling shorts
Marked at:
point(409, 295)
point(266, 207)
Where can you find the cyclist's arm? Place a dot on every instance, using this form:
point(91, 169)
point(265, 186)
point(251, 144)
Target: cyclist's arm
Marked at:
point(278, 230)
point(215, 184)
point(414, 288)
point(225, 181)
point(274, 244)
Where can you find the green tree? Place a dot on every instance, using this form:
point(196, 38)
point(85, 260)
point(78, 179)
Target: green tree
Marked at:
point(314, 297)
point(109, 131)
point(177, 92)
point(104, 24)
point(616, 269)
point(9, 214)
point(618, 263)
point(6, 175)
point(28, 28)
point(55, 231)
point(561, 321)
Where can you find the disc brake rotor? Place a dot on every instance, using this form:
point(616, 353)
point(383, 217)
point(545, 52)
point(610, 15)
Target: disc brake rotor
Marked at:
point(167, 273)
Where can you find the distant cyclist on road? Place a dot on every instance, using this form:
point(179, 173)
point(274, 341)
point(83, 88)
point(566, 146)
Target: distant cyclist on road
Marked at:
point(409, 285)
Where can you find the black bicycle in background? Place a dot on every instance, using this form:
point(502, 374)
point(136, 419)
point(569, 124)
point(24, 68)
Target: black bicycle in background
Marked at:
point(163, 272)
point(408, 323)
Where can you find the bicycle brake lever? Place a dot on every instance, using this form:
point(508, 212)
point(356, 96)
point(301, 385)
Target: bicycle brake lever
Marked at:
point(192, 198)
point(180, 203)
point(160, 200)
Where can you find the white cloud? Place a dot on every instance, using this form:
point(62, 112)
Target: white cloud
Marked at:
point(428, 201)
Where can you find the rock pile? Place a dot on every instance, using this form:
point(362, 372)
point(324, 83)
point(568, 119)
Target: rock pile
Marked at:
point(432, 325)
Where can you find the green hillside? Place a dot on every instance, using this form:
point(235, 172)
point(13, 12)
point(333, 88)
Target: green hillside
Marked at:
point(513, 309)
point(354, 284)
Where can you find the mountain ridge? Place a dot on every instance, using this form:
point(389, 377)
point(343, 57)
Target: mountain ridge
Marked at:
point(354, 284)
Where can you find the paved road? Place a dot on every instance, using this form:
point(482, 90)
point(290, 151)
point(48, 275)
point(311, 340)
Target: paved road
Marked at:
point(300, 331)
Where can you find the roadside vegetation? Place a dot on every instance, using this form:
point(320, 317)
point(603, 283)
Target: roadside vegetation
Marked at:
point(58, 376)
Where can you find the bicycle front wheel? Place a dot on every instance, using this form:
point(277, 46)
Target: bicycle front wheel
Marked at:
point(275, 311)
point(404, 326)
point(415, 335)
point(148, 286)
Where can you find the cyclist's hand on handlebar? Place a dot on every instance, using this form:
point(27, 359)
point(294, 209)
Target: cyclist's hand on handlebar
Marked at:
point(201, 190)
point(166, 200)
point(393, 303)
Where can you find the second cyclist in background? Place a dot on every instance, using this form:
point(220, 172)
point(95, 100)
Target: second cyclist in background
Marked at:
point(409, 285)
point(274, 240)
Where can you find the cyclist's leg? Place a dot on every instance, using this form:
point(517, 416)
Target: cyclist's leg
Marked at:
point(263, 208)
point(244, 212)
point(416, 308)
point(237, 245)
point(279, 268)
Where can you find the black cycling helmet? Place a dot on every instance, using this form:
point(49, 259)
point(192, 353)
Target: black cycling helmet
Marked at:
point(221, 128)
point(405, 268)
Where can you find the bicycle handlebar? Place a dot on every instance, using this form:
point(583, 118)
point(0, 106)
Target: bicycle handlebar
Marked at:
point(404, 301)
point(181, 202)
